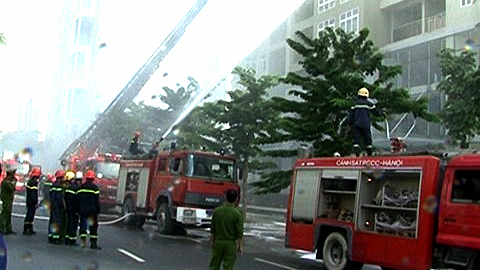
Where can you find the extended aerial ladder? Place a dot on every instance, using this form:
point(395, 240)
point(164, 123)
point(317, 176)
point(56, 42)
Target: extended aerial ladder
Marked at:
point(90, 138)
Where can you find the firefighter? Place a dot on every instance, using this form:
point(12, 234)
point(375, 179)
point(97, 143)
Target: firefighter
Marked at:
point(57, 208)
point(31, 200)
point(89, 209)
point(71, 202)
point(226, 233)
point(7, 194)
point(359, 120)
point(134, 149)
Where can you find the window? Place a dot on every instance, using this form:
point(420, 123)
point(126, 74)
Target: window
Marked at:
point(80, 66)
point(176, 166)
point(465, 3)
point(325, 24)
point(466, 187)
point(162, 165)
point(324, 5)
point(349, 20)
point(343, 1)
point(86, 31)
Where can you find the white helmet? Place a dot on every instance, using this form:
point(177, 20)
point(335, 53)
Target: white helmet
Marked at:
point(79, 175)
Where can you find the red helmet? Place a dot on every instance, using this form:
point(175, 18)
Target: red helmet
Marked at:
point(90, 174)
point(36, 171)
point(59, 174)
point(137, 134)
point(50, 177)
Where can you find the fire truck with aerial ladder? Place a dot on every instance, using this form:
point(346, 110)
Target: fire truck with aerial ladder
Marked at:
point(398, 211)
point(176, 187)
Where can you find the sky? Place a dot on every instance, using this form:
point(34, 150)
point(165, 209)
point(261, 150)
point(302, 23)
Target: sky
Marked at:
point(225, 30)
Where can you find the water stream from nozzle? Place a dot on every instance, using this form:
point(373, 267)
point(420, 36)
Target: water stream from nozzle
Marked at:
point(192, 105)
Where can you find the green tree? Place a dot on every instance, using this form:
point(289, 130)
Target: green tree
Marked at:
point(335, 65)
point(460, 82)
point(242, 123)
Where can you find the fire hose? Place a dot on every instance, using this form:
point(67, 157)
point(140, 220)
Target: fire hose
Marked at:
point(109, 222)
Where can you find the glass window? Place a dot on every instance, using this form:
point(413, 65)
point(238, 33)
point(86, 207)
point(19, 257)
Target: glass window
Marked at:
point(327, 23)
point(108, 170)
point(276, 62)
point(464, 3)
point(177, 165)
point(86, 31)
point(419, 72)
point(162, 165)
point(466, 186)
point(324, 5)
point(343, 1)
point(80, 66)
point(349, 20)
point(212, 167)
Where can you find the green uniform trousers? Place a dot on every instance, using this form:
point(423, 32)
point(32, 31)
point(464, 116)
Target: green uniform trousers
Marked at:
point(226, 251)
point(6, 216)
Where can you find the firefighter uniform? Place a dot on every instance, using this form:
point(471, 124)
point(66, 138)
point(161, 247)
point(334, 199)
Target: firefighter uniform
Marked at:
point(7, 194)
point(71, 202)
point(89, 209)
point(134, 149)
point(359, 119)
point(31, 200)
point(57, 208)
point(226, 230)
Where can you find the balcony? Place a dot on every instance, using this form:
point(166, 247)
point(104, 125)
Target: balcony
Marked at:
point(407, 30)
point(414, 28)
point(435, 22)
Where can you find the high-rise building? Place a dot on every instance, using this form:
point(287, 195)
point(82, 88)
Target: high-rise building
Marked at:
point(28, 116)
point(73, 98)
point(410, 33)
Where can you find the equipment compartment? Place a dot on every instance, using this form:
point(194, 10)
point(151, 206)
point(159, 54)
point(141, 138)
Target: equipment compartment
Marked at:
point(388, 202)
point(338, 189)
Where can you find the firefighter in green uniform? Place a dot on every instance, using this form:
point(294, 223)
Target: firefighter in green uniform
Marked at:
point(6, 195)
point(226, 233)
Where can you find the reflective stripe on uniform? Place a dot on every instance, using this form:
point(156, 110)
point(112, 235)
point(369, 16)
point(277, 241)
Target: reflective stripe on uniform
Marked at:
point(363, 107)
point(89, 191)
point(56, 189)
point(93, 236)
point(47, 183)
point(70, 191)
point(31, 187)
point(83, 235)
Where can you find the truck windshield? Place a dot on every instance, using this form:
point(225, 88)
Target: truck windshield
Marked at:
point(108, 169)
point(211, 167)
point(23, 169)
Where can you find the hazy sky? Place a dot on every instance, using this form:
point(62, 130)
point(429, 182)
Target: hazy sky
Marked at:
point(226, 30)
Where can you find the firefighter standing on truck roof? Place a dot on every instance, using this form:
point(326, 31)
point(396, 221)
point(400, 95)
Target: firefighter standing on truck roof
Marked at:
point(89, 209)
point(32, 200)
point(226, 233)
point(71, 203)
point(57, 208)
point(359, 121)
point(7, 194)
point(134, 148)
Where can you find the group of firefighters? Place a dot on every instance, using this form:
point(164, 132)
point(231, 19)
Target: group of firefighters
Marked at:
point(72, 199)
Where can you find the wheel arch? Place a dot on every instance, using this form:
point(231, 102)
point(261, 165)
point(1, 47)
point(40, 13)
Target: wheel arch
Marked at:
point(163, 197)
point(322, 231)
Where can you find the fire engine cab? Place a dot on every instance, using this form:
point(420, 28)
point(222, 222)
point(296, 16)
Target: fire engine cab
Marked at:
point(399, 212)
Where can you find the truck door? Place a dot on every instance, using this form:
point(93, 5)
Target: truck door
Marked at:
point(459, 223)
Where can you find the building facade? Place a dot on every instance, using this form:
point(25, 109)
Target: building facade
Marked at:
point(410, 33)
point(74, 94)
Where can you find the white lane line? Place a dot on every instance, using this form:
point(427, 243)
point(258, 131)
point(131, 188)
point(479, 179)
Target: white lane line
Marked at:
point(131, 255)
point(275, 264)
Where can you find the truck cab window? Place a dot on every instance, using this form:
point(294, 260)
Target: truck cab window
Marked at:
point(162, 165)
point(466, 187)
point(177, 165)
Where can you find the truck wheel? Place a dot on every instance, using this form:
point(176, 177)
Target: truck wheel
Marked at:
point(335, 254)
point(126, 209)
point(165, 223)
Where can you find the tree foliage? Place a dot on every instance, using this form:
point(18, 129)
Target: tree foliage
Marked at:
point(241, 123)
point(461, 82)
point(335, 65)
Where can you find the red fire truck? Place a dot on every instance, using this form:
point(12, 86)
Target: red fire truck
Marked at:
point(399, 212)
point(177, 188)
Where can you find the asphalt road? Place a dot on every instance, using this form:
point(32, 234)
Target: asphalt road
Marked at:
point(127, 248)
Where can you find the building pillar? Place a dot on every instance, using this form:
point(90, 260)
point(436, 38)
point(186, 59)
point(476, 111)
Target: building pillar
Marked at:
point(424, 19)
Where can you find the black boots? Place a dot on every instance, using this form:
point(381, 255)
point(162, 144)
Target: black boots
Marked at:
point(93, 244)
point(28, 229)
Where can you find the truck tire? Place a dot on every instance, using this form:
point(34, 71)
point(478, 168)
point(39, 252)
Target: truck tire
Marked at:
point(335, 254)
point(165, 223)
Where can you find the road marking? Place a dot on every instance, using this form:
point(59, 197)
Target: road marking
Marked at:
point(275, 264)
point(131, 255)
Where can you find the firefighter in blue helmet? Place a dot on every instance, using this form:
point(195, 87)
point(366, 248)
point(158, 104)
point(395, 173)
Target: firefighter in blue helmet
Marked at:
point(359, 120)
point(31, 200)
point(57, 209)
point(89, 209)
